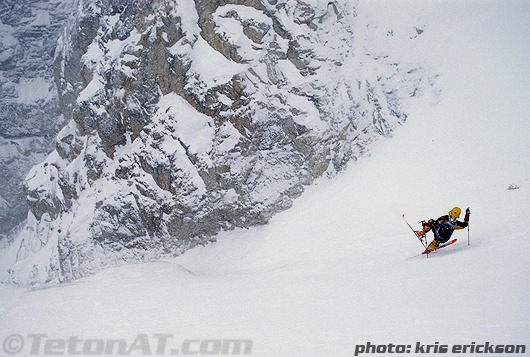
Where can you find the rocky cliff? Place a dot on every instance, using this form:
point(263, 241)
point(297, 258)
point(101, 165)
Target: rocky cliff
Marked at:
point(191, 117)
point(29, 113)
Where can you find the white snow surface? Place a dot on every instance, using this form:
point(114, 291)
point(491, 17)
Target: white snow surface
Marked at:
point(336, 270)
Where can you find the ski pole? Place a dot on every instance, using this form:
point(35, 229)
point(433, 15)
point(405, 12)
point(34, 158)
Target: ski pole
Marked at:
point(467, 214)
point(416, 234)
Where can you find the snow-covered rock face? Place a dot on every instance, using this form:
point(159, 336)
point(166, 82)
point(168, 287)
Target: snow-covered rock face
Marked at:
point(188, 118)
point(29, 114)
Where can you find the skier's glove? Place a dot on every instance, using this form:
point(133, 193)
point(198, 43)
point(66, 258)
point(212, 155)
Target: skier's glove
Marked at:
point(468, 213)
point(427, 224)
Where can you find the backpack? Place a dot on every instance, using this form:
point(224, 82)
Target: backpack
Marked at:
point(445, 231)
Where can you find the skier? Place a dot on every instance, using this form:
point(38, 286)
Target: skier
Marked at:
point(443, 227)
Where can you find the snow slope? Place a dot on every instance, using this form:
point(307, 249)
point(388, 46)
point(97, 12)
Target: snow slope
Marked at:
point(336, 269)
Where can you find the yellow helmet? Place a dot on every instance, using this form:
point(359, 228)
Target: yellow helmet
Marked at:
point(455, 213)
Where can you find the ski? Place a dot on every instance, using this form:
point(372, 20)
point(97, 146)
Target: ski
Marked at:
point(441, 246)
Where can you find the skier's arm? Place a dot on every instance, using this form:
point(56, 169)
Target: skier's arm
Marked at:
point(427, 226)
point(462, 225)
point(433, 224)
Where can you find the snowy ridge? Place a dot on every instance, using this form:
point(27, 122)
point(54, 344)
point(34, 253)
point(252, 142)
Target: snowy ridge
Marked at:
point(188, 120)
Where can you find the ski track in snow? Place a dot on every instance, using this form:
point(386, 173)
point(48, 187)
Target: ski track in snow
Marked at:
point(333, 271)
